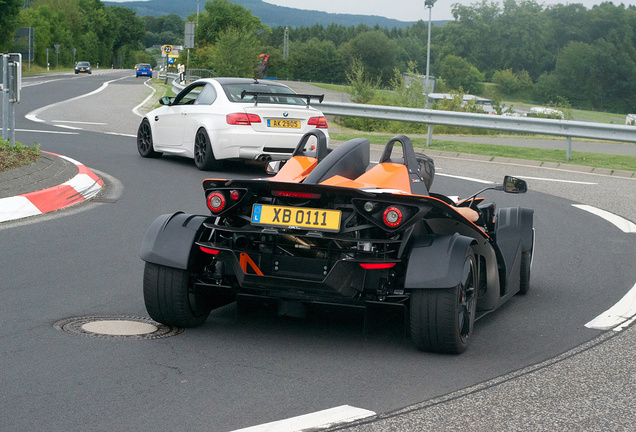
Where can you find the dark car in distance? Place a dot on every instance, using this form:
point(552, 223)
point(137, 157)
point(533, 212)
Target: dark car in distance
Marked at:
point(83, 67)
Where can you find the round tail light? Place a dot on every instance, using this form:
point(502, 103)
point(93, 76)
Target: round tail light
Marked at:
point(392, 217)
point(216, 202)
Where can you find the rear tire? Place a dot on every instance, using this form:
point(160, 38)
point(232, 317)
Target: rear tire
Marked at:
point(144, 140)
point(170, 297)
point(524, 272)
point(442, 320)
point(203, 155)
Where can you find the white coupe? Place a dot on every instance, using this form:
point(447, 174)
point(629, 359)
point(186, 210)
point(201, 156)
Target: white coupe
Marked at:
point(229, 118)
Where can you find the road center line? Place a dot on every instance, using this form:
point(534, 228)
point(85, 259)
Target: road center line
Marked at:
point(320, 419)
point(623, 224)
point(618, 316)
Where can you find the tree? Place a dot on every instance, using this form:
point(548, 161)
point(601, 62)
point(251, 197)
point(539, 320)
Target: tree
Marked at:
point(459, 73)
point(376, 52)
point(9, 11)
point(235, 53)
point(317, 60)
point(221, 15)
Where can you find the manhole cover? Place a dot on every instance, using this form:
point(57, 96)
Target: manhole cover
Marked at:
point(110, 327)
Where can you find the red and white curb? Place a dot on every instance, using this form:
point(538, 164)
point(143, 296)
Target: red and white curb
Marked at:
point(84, 186)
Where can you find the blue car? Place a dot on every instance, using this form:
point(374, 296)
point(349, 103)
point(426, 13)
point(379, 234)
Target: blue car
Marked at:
point(143, 69)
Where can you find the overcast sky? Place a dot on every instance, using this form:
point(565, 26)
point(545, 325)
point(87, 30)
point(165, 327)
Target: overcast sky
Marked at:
point(404, 10)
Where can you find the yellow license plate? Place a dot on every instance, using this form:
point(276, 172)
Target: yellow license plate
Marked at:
point(283, 123)
point(296, 217)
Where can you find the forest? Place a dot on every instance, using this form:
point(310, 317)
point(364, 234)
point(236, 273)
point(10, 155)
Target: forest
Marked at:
point(585, 58)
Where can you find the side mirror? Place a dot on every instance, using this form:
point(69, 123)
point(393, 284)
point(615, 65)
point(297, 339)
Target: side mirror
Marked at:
point(514, 185)
point(273, 167)
point(164, 100)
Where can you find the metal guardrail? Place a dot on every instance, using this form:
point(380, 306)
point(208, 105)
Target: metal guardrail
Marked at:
point(570, 128)
point(564, 128)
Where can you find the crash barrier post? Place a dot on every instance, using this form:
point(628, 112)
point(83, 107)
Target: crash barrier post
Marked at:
point(564, 128)
point(11, 75)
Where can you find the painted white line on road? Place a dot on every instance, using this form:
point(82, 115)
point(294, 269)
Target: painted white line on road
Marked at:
point(33, 115)
point(78, 122)
point(619, 315)
point(120, 134)
point(622, 223)
point(465, 178)
point(69, 127)
point(135, 110)
point(321, 419)
point(30, 84)
point(559, 181)
point(43, 131)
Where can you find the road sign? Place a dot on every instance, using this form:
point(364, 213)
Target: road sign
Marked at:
point(167, 49)
point(189, 35)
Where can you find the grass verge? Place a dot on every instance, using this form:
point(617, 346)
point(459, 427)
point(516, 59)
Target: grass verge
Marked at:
point(612, 162)
point(12, 157)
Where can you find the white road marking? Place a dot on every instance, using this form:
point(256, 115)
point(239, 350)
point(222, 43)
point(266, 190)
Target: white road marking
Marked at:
point(33, 115)
point(78, 122)
point(618, 316)
point(321, 419)
point(466, 178)
point(120, 134)
point(622, 223)
point(29, 84)
point(51, 132)
point(135, 110)
point(558, 180)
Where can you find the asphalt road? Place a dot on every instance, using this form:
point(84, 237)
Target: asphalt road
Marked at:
point(531, 359)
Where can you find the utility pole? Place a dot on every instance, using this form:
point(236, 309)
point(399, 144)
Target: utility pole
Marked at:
point(286, 43)
point(429, 4)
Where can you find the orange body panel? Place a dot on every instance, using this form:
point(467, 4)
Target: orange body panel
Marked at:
point(381, 176)
point(296, 169)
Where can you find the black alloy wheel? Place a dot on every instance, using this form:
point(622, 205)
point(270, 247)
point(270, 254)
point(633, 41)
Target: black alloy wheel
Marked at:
point(144, 140)
point(203, 156)
point(171, 298)
point(442, 320)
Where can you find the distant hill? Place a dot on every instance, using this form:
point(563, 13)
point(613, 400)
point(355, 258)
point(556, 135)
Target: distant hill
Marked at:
point(269, 14)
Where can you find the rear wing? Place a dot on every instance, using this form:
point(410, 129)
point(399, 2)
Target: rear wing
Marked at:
point(262, 95)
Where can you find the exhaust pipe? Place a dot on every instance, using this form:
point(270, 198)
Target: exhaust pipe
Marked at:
point(240, 241)
point(260, 160)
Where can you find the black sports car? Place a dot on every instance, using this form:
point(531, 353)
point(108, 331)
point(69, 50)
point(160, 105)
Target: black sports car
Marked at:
point(83, 67)
point(330, 227)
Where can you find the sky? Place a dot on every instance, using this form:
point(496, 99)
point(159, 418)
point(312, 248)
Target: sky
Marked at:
point(403, 10)
point(407, 10)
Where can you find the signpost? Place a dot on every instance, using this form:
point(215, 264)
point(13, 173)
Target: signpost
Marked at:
point(11, 74)
point(57, 55)
point(189, 43)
